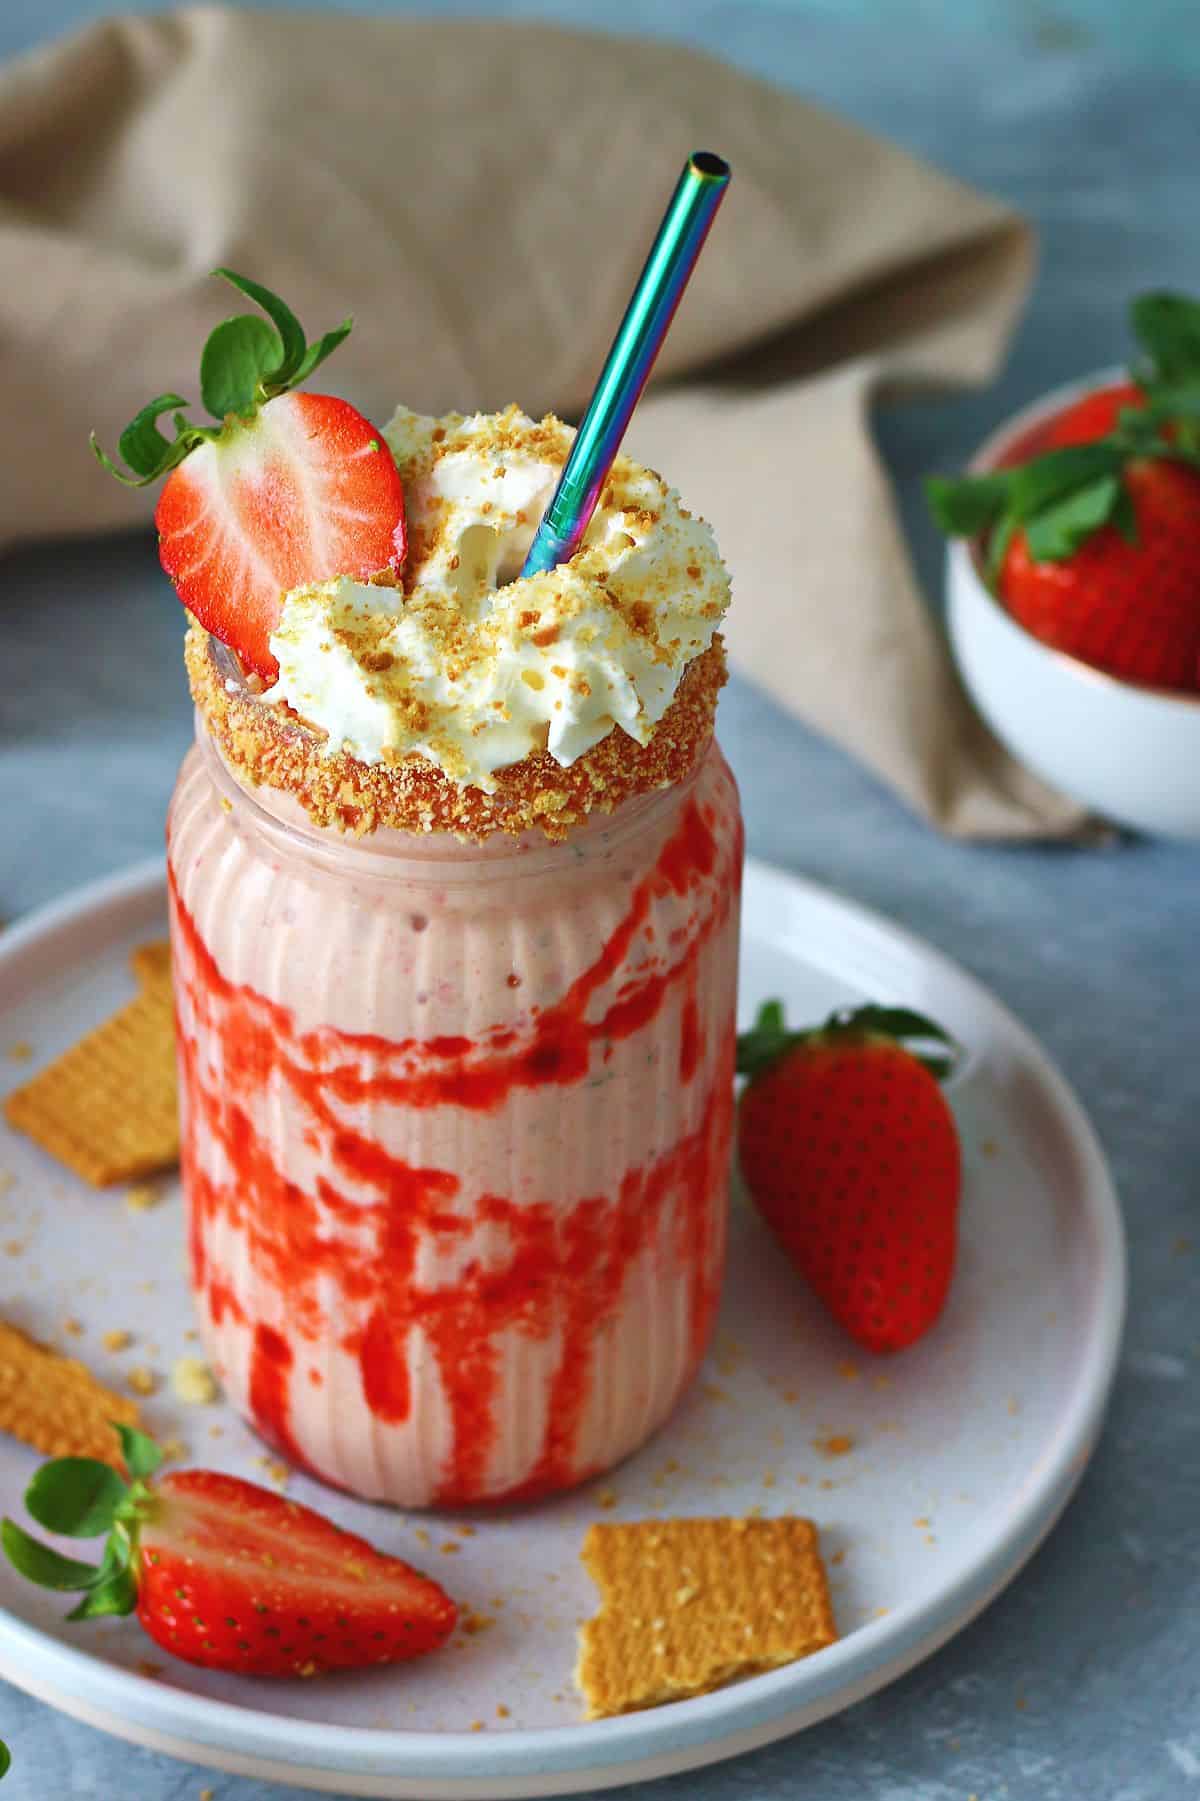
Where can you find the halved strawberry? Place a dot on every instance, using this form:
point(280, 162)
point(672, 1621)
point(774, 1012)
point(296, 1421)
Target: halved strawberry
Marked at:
point(305, 490)
point(224, 1573)
point(289, 488)
point(239, 1578)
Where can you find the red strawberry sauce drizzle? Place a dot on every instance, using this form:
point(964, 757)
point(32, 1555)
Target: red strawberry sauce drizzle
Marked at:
point(558, 1269)
point(690, 1041)
point(270, 1381)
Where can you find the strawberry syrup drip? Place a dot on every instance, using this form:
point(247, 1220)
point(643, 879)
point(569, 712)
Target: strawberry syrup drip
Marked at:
point(270, 1386)
point(555, 1270)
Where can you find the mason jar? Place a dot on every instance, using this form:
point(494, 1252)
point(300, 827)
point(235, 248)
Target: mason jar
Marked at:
point(456, 1126)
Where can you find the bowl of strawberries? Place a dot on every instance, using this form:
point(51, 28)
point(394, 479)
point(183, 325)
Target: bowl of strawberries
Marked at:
point(1073, 580)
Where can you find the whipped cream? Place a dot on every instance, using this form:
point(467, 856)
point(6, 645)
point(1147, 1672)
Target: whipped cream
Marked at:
point(473, 669)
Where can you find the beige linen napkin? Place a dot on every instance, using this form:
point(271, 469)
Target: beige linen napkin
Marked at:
point(481, 196)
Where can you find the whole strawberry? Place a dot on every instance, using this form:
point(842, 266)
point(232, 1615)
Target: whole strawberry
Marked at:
point(1125, 603)
point(1091, 537)
point(224, 1573)
point(850, 1152)
point(1092, 416)
point(287, 489)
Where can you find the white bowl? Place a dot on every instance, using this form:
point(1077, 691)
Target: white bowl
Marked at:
point(1127, 752)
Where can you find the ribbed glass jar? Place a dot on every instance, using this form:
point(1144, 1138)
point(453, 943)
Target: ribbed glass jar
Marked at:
point(456, 1128)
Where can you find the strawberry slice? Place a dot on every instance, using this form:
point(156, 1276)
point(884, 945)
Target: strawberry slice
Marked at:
point(287, 489)
point(239, 1578)
point(306, 490)
point(224, 1573)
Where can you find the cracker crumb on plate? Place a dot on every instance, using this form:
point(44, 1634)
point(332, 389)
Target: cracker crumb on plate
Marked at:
point(193, 1381)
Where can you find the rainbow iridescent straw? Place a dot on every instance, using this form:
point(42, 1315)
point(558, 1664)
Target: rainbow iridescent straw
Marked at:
point(646, 323)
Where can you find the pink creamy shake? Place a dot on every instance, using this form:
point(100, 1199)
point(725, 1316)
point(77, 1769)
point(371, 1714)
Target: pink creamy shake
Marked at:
point(457, 1114)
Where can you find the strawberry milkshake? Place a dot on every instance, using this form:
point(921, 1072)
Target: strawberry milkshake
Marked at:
point(454, 889)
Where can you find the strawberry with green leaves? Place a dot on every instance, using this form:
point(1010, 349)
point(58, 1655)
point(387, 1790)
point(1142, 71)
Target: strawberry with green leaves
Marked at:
point(1093, 416)
point(850, 1153)
point(224, 1573)
point(1092, 539)
point(288, 488)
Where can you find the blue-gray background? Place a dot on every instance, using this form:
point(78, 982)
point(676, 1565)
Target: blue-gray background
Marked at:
point(1082, 1681)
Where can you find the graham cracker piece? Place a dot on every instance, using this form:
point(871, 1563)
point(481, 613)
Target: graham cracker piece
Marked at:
point(688, 1605)
point(151, 963)
point(56, 1405)
point(108, 1107)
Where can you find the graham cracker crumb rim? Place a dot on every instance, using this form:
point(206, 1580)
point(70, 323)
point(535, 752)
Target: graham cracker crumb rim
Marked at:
point(267, 747)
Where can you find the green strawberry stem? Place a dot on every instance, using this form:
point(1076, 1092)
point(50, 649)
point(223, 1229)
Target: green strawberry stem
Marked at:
point(246, 362)
point(81, 1497)
point(769, 1038)
point(1060, 499)
point(1167, 327)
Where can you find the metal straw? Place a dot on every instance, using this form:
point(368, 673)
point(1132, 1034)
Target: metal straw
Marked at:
point(646, 323)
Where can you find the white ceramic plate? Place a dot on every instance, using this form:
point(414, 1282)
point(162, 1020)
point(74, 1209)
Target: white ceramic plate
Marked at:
point(963, 1451)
